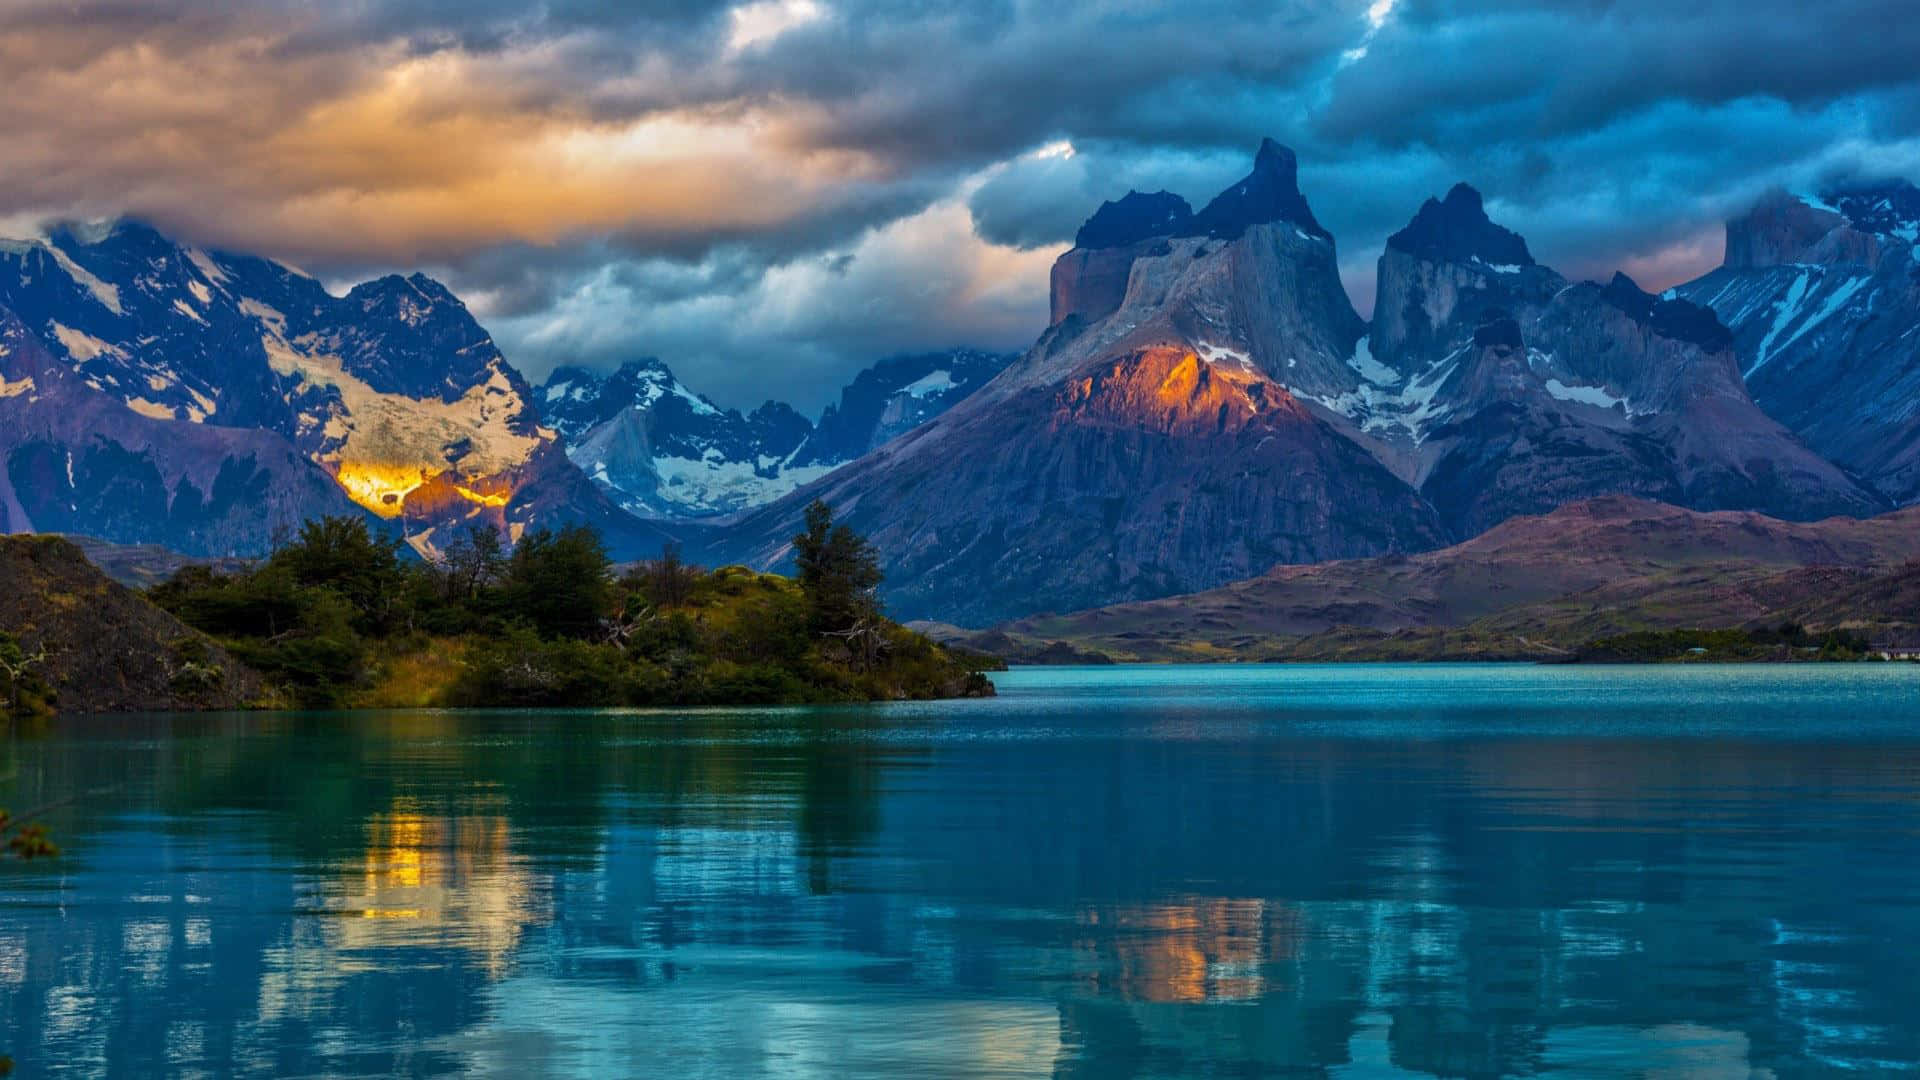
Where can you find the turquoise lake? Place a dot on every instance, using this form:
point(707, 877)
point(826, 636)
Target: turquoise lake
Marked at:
point(1341, 871)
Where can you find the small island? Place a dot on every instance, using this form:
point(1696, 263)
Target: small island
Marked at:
point(342, 616)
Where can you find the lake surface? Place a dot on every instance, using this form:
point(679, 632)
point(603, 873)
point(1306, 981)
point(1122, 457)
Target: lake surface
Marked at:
point(1344, 871)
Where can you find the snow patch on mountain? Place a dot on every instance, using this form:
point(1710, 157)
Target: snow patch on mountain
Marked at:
point(107, 295)
point(1370, 369)
point(938, 382)
point(81, 345)
point(1215, 354)
point(714, 485)
point(1795, 317)
point(1597, 396)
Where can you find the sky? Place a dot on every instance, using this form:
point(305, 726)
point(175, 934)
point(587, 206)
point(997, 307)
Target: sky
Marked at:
point(771, 195)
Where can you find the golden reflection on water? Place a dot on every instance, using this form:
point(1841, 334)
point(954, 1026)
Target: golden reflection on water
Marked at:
point(423, 881)
point(447, 882)
point(1193, 949)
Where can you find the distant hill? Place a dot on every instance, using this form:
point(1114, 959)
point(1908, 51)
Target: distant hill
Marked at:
point(1533, 587)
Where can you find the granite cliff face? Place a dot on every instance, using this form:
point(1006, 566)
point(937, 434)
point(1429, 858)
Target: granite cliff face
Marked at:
point(1158, 436)
point(1822, 296)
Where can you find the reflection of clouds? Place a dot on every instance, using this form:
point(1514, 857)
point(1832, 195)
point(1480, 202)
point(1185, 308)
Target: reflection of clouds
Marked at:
point(711, 862)
point(1665, 1052)
point(733, 1023)
point(13, 961)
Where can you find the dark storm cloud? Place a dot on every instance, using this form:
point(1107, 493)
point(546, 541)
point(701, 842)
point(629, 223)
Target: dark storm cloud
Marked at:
point(768, 194)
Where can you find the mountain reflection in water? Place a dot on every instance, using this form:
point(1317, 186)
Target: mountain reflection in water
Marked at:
point(1354, 872)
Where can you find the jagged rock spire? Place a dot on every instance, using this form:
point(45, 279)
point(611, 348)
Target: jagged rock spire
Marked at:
point(1271, 192)
point(1134, 217)
point(1457, 229)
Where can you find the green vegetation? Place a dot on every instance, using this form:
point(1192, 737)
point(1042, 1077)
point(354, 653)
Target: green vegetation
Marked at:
point(340, 617)
point(23, 693)
point(1789, 641)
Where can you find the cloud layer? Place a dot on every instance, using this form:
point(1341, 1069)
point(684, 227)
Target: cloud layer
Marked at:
point(771, 194)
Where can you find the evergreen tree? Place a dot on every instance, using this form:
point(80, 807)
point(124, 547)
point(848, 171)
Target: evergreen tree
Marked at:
point(839, 572)
point(474, 560)
point(560, 582)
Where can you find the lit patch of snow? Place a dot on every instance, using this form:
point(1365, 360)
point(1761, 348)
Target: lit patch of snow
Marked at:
point(1596, 396)
point(270, 317)
point(15, 389)
point(149, 408)
point(202, 407)
point(1214, 354)
point(82, 346)
point(108, 295)
point(184, 308)
point(1370, 369)
point(938, 382)
point(1499, 268)
point(558, 391)
point(207, 267)
point(200, 292)
point(158, 382)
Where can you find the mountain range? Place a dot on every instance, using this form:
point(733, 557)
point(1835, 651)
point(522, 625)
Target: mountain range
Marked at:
point(153, 392)
point(1207, 404)
point(662, 451)
point(1204, 405)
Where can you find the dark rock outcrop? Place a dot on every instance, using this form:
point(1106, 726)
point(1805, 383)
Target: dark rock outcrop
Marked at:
point(1457, 229)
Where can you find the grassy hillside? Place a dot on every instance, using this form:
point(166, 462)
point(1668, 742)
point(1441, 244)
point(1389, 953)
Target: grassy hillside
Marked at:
point(73, 640)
